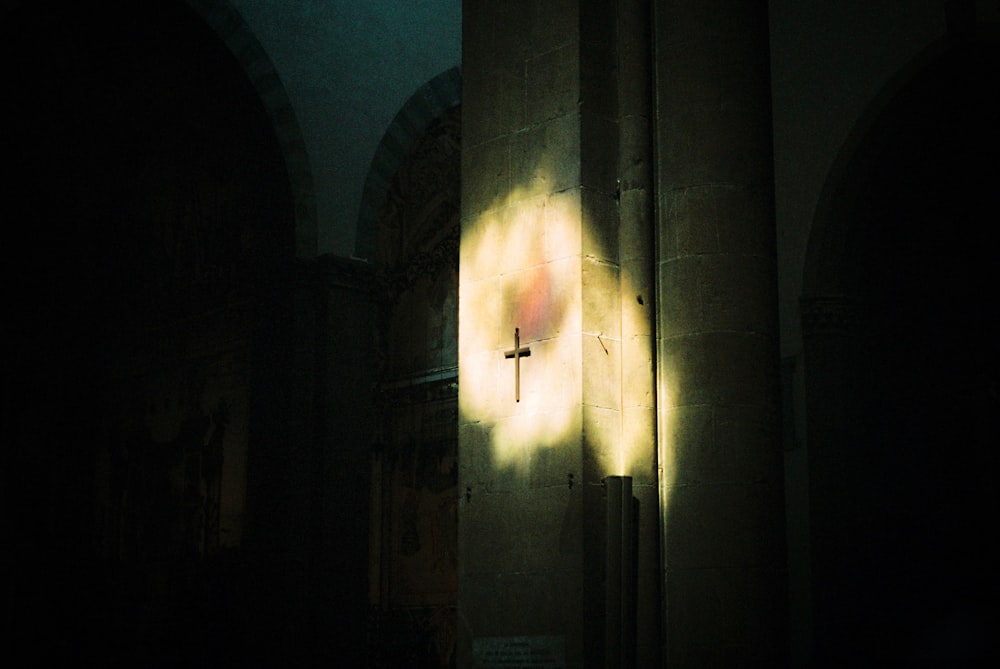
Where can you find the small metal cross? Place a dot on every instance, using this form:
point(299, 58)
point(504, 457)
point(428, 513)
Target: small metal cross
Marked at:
point(517, 353)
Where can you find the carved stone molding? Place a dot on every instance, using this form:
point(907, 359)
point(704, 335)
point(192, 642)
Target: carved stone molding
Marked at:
point(419, 227)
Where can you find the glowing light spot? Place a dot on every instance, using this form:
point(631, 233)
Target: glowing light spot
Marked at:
point(522, 266)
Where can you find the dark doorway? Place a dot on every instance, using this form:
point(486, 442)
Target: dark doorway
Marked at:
point(146, 207)
point(904, 555)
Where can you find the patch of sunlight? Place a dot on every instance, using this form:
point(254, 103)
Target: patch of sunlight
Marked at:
point(521, 267)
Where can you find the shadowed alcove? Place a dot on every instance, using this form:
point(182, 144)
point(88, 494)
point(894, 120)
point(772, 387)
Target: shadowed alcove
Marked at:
point(901, 377)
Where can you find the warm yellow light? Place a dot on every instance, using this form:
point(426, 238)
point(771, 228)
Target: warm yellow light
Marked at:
point(522, 267)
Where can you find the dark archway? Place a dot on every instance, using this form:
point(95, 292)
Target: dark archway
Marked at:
point(147, 211)
point(902, 381)
point(422, 110)
point(231, 29)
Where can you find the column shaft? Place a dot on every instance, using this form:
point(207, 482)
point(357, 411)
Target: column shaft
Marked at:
point(717, 331)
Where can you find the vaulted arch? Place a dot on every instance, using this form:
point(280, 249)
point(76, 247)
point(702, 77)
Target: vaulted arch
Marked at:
point(423, 108)
point(901, 367)
point(238, 38)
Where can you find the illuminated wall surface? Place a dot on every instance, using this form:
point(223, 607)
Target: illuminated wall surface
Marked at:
point(534, 262)
point(546, 253)
point(530, 262)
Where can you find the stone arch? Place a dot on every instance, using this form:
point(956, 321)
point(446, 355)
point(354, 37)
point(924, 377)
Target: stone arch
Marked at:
point(426, 105)
point(901, 361)
point(828, 248)
point(236, 35)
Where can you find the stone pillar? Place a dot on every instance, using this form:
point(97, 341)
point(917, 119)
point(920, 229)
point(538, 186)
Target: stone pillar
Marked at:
point(718, 359)
point(542, 252)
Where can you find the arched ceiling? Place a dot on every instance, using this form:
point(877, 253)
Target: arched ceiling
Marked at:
point(348, 67)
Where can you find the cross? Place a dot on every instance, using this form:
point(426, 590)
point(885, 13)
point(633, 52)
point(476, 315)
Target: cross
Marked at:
point(517, 353)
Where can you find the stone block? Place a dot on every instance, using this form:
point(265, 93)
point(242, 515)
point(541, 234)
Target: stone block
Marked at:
point(637, 371)
point(479, 377)
point(637, 299)
point(639, 444)
point(493, 105)
point(597, 22)
point(552, 84)
point(524, 430)
point(543, 301)
point(717, 293)
point(481, 237)
point(746, 73)
point(718, 368)
point(601, 371)
point(602, 454)
point(522, 238)
point(599, 152)
point(474, 435)
point(601, 310)
point(716, 146)
point(636, 232)
point(485, 176)
point(680, 310)
point(511, 45)
point(545, 602)
point(724, 618)
point(733, 526)
point(682, 22)
point(564, 224)
point(559, 465)
point(598, 71)
point(694, 76)
point(546, 158)
point(600, 225)
point(554, 381)
point(522, 531)
point(556, 24)
point(716, 218)
point(479, 303)
point(721, 444)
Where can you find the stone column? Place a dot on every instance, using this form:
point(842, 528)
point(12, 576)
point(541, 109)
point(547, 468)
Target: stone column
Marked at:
point(542, 252)
point(718, 359)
